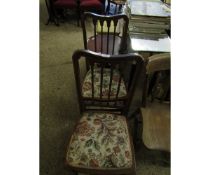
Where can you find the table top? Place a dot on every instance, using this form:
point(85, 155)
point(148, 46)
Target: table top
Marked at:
point(150, 43)
point(148, 22)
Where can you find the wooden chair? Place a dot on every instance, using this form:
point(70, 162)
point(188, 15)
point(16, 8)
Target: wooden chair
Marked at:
point(101, 143)
point(92, 6)
point(56, 6)
point(117, 4)
point(156, 126)
point(109, 33)
point(156, 64)
point(51, 13)
point(155, 117)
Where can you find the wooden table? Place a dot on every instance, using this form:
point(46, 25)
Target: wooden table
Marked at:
point(148, 22)
point(150, 43)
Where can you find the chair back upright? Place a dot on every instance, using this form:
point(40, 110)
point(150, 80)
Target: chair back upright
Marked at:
point(109, 33)
point(155, 64)
point(158, 62)
point(108, 85)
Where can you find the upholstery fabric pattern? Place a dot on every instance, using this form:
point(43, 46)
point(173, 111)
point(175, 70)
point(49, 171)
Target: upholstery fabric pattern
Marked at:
point(87, 84)
point(100, 140)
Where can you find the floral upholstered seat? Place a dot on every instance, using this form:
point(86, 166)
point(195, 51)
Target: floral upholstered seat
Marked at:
point(100, 140)
point(87, 84)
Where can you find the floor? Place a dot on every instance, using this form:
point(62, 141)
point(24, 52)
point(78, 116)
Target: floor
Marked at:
point(58, 100)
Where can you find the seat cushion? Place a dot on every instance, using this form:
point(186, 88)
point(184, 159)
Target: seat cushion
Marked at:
point(87, 84)
point(91, 4)
point(66, 3)
point(100, 140)
point(156, 126)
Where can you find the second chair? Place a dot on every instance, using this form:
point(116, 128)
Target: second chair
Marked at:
point(109, 34)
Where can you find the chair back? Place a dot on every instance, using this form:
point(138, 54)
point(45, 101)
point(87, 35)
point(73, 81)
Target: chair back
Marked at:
point(158, 62)
point(109, 33)
point(105, 86)
point(155, 64)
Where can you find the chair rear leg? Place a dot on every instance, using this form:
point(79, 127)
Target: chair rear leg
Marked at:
point(52, 14)
point(49, 12)
point(53, 19)
point(78, 14)
point(56, 20)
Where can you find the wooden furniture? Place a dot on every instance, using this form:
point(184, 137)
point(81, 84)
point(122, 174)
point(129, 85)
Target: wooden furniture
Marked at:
point(156, 126)
point(150, 43)
point(155, 65)
point(50, 11)
point(105, 83)
point(56, 6)
point(101, 143)
point(92, 6)
point(148, 22)
point(107, 40)
point(155, 116)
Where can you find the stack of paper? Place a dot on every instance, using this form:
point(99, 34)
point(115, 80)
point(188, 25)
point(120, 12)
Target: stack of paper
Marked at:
point(148, 16)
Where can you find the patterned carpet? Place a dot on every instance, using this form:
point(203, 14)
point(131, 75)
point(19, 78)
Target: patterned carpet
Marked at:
point(58, 101)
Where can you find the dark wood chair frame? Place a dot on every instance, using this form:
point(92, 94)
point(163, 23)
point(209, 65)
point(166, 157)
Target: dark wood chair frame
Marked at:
point(108, 19)
point(51, 13)
point(112, 60)
point(102, 60)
